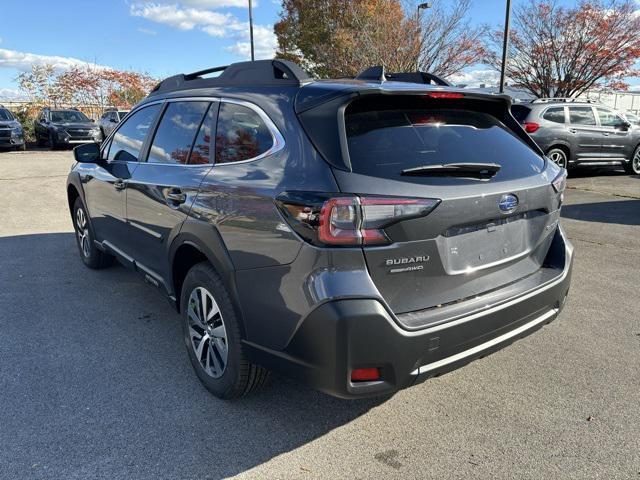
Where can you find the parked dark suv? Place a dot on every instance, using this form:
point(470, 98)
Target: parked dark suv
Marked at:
point(11, 132)
point(58, 128)
point(360, 235)
point(573, 132)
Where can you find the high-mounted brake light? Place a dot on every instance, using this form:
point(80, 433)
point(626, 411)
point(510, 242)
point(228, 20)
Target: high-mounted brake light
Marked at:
point(348, 220)
point(531, 127)
point(445, 95)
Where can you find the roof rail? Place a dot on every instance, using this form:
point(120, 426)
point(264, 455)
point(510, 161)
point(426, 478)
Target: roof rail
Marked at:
point(378, 74)
point(562, 99)
point(246, 74)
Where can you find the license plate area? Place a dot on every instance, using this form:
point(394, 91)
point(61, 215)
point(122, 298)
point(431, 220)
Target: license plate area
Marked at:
point(467, 248)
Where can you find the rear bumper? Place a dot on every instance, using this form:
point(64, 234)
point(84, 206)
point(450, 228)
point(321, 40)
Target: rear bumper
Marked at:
point(342, 335)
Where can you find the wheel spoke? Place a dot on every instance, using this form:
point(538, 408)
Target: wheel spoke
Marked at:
point(194, 333)
point(219, 367)
point(203, 341)
point(214, 310)
point(219, 332)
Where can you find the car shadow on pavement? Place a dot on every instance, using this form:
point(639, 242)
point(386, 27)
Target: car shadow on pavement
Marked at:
point(95, 381)
point(623, 212)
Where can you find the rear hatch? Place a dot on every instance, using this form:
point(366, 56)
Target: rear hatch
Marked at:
point(497, 210)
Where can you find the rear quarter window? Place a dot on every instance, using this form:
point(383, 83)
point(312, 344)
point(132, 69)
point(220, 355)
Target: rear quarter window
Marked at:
point(385, 138)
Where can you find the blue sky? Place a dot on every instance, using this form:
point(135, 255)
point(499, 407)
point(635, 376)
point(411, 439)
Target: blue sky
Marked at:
point(161, 37)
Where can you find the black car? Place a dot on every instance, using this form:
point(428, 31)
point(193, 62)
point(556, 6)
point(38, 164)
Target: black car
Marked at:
point(360, 235)
point(57, 128)
point(573, 132)
point(11, 132)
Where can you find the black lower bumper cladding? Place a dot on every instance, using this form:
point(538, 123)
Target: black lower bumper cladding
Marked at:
point(342, 335)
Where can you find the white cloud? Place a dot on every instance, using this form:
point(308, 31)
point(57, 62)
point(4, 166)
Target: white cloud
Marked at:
point(147, 31)
point(197, 14)
point(182, 18)
point(265, 43)
point(23, 61)
point(473, 78)
point(11, 95)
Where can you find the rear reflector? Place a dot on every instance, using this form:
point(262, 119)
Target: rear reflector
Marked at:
point(445, 95)
point(365, 374)
point(531, 127)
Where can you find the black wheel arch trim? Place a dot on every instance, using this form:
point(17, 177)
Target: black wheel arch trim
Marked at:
point(205, 238)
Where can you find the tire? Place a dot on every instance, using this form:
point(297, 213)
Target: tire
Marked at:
point(39, 141)
point(559, 157)
point(90, 254)
point(214, 345)
point(633, 167)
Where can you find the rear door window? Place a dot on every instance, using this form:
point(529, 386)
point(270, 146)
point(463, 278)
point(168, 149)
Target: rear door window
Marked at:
point(582, 116)
point(177, 131)
point(385, 139)
point(554, 114)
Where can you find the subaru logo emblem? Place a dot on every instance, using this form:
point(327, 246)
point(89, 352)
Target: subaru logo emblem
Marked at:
point(508, 203)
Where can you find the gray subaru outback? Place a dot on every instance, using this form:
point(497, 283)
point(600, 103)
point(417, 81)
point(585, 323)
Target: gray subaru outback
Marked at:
point(360, 235)
point(578, 133)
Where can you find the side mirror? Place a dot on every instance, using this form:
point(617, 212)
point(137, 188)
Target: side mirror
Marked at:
point(113, 120)
point(92, 120)
point(624, 126)
point(87, 153)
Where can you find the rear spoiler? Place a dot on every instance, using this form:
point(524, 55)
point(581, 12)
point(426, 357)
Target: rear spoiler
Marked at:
point(378, 74)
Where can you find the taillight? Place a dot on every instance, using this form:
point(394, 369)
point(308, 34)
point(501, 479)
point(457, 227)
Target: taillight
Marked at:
point(348, 220)
point(531, 127)
point(560, 182)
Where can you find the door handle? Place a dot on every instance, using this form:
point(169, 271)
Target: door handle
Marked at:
point(606, 134)
point(573, 130)
point(119, 185)
point(176, 196)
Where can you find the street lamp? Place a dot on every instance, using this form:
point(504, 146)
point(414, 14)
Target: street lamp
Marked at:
point(505, 46)
point(421, 6)
point(251, 29)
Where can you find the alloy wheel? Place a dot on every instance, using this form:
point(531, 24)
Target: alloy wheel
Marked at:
point(82, 230)
point(636, 162)
point(559, 158)
point(207, 332)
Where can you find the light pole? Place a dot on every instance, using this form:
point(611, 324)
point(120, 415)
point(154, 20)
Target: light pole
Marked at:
point(505, 46)
point(251, 29)
point(421, 6)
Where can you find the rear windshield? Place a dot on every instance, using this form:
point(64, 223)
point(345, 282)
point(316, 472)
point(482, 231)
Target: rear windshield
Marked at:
point(520, 112)
point(385, 141)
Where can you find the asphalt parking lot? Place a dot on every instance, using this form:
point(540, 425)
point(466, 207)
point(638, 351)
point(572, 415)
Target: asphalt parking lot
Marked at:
point(95, 383)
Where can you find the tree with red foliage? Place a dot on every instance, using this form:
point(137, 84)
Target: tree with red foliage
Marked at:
point(557, 51)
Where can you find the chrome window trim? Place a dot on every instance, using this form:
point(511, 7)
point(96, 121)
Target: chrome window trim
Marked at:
point(276, 136)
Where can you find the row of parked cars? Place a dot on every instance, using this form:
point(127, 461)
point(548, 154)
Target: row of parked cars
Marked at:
point(58, 128)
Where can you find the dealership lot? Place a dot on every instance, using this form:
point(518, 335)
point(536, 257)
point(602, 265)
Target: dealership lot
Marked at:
point(95, 383)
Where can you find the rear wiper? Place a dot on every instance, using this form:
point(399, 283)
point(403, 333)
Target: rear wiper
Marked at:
point(480, 171)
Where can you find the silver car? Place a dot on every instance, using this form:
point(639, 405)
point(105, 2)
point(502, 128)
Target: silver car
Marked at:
point(109, 120)
point(574, 133)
